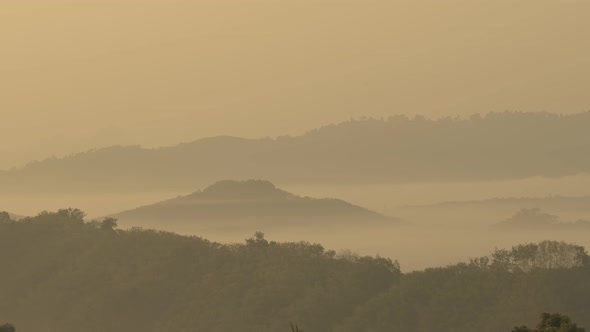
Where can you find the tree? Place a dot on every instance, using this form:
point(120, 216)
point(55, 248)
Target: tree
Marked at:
point(72, 214)
point(4, 216)
point(7, 328)
point(295, 328)
point(108, 224)
point(257, 240)
point(554, 322)
point(557, 322)
point(549, 255)
point(521, 329)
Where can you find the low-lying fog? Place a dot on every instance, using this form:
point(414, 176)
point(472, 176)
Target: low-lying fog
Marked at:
point(430, 236)
point(415, 247)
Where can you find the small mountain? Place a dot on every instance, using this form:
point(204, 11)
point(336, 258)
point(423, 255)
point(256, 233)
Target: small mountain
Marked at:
point(489, 211)
point(245, 204)
point(536, 219)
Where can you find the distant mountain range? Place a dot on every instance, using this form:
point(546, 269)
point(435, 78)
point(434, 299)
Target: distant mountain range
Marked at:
point(248, 204)
point(496, 146)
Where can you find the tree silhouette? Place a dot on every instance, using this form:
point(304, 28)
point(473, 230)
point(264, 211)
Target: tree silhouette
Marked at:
point(72, 214)
point(554, 322)
point(7, 328)
point(295, 328)
point(109, 224)
point(542, 255)
point(4, 216)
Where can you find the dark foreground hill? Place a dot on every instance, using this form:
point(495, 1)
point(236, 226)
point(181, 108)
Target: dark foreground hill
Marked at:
point(252, 204)
point(496, 146)
point(60, 273)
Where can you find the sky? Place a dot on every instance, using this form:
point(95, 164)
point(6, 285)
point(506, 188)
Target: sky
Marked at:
point(82, 74)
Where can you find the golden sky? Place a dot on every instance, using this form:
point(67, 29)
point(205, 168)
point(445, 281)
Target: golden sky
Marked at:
point(78, 74)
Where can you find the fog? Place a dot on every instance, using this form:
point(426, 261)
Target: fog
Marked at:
point(316, 165)
point(415, 247)
point(431, 234)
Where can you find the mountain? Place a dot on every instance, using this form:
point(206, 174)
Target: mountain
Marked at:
point(535, 219)
point(508, 145)
point(489, 211)
point(248, 204)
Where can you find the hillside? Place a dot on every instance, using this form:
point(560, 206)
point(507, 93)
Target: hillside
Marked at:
point(61, 273)
point(489, 294)
point(252, 204)
point(496, 146)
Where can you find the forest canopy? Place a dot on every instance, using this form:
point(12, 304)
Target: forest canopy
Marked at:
point(68, 274)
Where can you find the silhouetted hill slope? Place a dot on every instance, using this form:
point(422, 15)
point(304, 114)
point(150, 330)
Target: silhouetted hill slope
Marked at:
point(481, 296)
point(498, 146)
point(252, 203)
point(60, 273)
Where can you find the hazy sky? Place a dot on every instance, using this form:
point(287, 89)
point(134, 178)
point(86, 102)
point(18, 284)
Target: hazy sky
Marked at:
point(78, 74)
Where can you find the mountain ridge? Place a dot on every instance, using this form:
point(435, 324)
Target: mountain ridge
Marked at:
point(396, 150)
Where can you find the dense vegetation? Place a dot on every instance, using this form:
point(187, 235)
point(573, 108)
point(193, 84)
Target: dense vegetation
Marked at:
point(60, 273)
point(554, 322)
point(488, 294)
point(7, 328)
point(397, 149)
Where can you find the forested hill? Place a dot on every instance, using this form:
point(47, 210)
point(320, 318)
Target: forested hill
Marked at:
point(60, 273)
point(251, 204)
point(496, 146)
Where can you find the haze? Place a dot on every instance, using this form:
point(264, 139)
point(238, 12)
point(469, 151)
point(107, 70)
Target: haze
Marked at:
point(315, 165)
point(76, 75)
